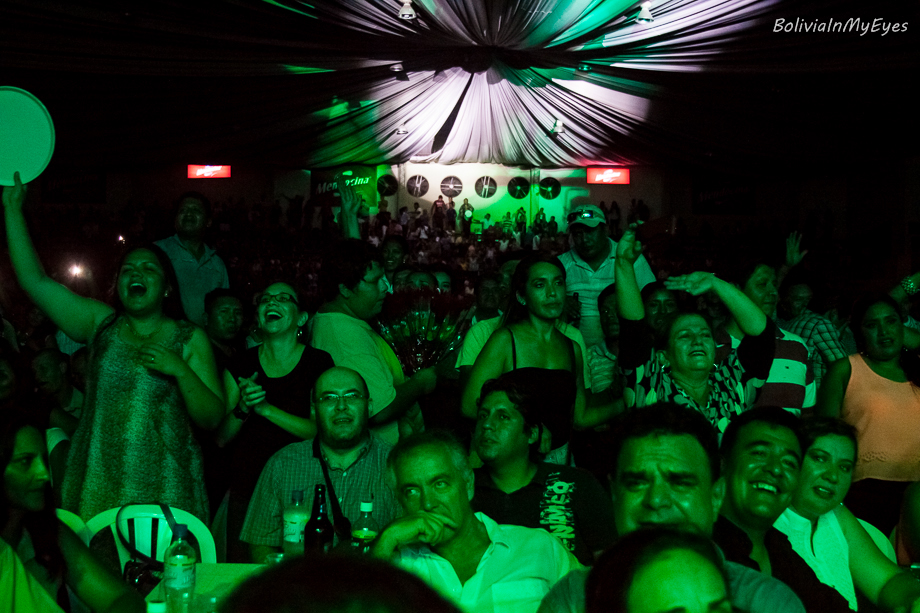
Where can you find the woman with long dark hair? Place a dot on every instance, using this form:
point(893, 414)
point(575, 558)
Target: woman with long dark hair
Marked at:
point(48, 549)
point(529, 341)
point(151, 374)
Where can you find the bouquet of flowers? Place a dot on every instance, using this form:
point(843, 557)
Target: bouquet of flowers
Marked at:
point(423, 326)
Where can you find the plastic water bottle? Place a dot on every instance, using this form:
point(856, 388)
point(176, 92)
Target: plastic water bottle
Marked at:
point(295, 518)
point(179, 572)
point(365, 529)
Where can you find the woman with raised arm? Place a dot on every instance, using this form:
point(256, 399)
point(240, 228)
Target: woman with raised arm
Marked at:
point(151, 375)
point(680, 367)
point(53, 555)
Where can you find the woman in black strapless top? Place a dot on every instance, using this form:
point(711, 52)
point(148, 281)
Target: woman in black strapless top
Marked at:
point(530, 343)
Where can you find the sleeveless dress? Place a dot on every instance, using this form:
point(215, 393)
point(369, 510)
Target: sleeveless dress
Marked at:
point(886, 415)
point(557, 392)
point(134, 442)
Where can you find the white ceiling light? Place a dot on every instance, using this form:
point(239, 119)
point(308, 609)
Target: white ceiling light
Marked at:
point(407, 12)
point(645, 13)
point(558, 128)
point(396, 67)
point(402, 129)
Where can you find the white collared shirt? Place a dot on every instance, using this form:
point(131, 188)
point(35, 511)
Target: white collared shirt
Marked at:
point(196, 277)
point(519, 567)
point(825, 549)
point(589, 283)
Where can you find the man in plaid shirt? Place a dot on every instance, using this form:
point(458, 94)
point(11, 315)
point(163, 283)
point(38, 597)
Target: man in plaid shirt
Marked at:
point(356, 460)
point(819, 334)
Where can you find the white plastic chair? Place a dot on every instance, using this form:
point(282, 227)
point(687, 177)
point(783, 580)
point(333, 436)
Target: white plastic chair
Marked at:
point(881, 542)
point(75, 523)
point(151, 534)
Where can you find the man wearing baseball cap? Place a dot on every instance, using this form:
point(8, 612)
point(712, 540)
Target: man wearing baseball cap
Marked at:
point(589, 268)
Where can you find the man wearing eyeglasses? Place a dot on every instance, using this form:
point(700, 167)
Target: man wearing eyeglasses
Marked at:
point(589, 269)
point(355, 459)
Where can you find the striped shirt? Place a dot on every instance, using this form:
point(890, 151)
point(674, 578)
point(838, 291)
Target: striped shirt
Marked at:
point(821, 338)
point(791, 383)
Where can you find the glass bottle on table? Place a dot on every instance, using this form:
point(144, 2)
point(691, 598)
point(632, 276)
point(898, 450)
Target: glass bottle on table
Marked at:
point(179, 572)
point(365, 529)
point(318, 533)
point(295, 519)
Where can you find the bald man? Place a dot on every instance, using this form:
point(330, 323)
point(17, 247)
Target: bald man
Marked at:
point(355, 459)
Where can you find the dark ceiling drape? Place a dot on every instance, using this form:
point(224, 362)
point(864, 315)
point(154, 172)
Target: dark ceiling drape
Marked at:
point(707, 83)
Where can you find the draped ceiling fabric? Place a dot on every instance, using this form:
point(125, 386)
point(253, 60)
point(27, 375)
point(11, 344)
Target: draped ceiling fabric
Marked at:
point(309, 84)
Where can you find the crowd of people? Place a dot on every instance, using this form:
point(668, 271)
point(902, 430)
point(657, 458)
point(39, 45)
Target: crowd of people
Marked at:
point(544, 418)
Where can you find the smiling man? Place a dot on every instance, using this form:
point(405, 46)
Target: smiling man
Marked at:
point(482, 566)
point(355, 458)
point(666, 473)
point(762, 454)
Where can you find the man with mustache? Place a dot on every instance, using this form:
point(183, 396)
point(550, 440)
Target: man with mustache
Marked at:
point(515, 486)
point(667, 473)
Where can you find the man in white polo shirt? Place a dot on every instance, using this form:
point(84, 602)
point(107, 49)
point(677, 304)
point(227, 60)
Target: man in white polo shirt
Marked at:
point(476, 563)
point(589, 268)
point(198, 268)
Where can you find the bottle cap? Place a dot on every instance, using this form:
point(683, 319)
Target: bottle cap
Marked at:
point(180, 531)
point(297, 495)
point(367, 507)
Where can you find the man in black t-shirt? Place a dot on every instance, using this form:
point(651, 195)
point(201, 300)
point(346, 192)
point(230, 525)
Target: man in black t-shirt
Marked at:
point(762, 454)
point(515, 487)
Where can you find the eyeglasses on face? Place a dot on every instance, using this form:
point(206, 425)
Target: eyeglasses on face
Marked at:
point(280, 298)
point(332, 400)
point(576, 215)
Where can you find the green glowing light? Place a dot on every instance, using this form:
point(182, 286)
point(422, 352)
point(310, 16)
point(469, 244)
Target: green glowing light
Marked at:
point(291, 8)
point(304, 69)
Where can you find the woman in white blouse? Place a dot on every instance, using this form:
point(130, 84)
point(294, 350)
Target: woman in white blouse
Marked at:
point(830, 538)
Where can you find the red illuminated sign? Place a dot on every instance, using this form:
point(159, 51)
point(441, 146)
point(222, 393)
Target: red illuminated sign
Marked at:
point(608, 176)
point(197, 171)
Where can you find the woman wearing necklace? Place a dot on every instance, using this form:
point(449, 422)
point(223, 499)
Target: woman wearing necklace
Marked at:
point(268, 400)
point(680, 367)
point(151, 375)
